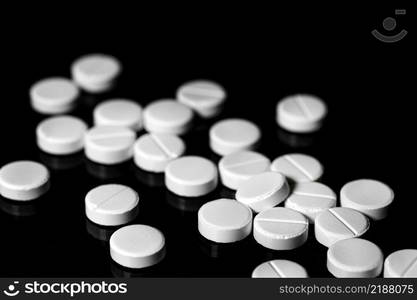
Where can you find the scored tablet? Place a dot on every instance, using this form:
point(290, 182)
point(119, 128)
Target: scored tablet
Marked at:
point(109, 144)
point(310, 199)
point(205, 97)
point(279, 268)
point(263, 191)
point(153, 152)
point(111, 204)
point(298, 167)
point(280, 228)
point(239, 166)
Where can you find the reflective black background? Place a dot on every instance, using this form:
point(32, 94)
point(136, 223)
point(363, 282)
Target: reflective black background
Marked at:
point(259, 56)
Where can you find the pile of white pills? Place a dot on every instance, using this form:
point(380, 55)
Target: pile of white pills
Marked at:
point(260, 186)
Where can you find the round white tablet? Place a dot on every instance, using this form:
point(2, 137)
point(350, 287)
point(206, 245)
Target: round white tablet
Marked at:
point(232, 135)
point(153, 152)
point(310, 199)
point(119, 112)
point(137, 246)
point(95, 72)
point(298, 167)
point(111, 204)
point(109, 144)
point(206, 98)
point(54, 95)
point(371, 197)
point(301, 113)
point(401, 263)
point(23, 180)
point(263, 191)
point(239, 166)
point(224, 221)
point(354, 258)
point(279, 268)
point(61, 135)
point(280, 228)
point(339, 223)
point(167, 116)
point(191, 176)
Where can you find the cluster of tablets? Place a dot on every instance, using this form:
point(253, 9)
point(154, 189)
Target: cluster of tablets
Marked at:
point(260, 185)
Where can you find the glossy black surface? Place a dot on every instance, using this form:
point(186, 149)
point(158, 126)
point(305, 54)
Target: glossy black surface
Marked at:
point(369, 132)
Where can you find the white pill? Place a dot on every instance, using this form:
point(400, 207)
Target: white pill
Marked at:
point(137, 246)
point(232, 135)
point(370, 197)
point(339, 223)
point(206, 98)
point(61, 135)
point(191, 176)
point(279, 268)
point(111, 204)
point(239, 166)
point(298, 167)
point(354, 258)
point(280, 228)
point(224, 221)
point(167, 116)
point(54, 95)
point(119, 112)
point(263, 191)
point(301, 113)
point(401, 263)
point(310, 199)
point(23, 180)
point(153, 152)
point(95, 72)
point(109, 144)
